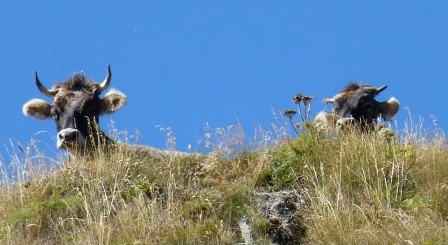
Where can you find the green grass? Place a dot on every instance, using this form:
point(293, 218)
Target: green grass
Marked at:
point(358, 189)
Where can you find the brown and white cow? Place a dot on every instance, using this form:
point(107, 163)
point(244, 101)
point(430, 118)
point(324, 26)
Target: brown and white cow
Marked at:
point(356, 104)
point(76, 109)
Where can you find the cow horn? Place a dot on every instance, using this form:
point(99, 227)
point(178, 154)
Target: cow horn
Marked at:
point(105, 84)
point(43, 89)
point(380, 89)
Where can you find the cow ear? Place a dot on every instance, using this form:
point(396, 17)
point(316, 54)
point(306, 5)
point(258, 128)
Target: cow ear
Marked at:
point(37, 108)
point(389, 108)
point(112, 101)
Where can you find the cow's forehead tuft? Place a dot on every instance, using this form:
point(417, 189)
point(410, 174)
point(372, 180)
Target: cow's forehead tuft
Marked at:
point(77, 82)
point(351, 87)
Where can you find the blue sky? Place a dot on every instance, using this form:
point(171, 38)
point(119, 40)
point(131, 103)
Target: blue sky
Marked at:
point(186, 64)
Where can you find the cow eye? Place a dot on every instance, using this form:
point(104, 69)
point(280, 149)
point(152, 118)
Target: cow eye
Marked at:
point(89, 111)
point(368, 106)
point(55, 113)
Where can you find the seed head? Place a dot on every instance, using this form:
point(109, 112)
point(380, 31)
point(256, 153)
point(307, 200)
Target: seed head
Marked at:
point(307, 100)
point(289, 113)
point(299, 98)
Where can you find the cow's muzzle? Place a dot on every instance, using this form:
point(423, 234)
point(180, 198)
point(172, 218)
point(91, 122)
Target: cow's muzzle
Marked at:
point(69, 138)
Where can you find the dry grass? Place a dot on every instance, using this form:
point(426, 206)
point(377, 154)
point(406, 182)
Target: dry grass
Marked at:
point(128, 197)
point(378, 192)
point(360, 188)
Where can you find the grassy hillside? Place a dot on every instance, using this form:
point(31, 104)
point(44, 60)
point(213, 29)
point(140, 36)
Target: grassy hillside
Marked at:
point(350, 188)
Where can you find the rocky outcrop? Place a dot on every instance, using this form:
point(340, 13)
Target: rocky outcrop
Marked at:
point(285, 211)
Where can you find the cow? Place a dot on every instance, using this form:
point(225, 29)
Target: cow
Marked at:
point(356, 104)
point(76, 109)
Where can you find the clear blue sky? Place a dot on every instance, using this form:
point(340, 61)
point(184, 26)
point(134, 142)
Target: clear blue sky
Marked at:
point(183, 64)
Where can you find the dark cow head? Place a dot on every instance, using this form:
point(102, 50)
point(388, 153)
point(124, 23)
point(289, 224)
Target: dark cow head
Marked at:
point(357, 104)
point(76, 109)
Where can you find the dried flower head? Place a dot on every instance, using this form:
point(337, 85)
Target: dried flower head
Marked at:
point(298, 98)
point(289, 113)
point(307, 100)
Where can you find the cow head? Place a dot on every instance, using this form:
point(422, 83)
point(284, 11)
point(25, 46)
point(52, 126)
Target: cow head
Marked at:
point(357, 104)
point(76, 109)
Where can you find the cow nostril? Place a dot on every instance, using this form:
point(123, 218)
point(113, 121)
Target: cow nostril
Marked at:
point(70, 136)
